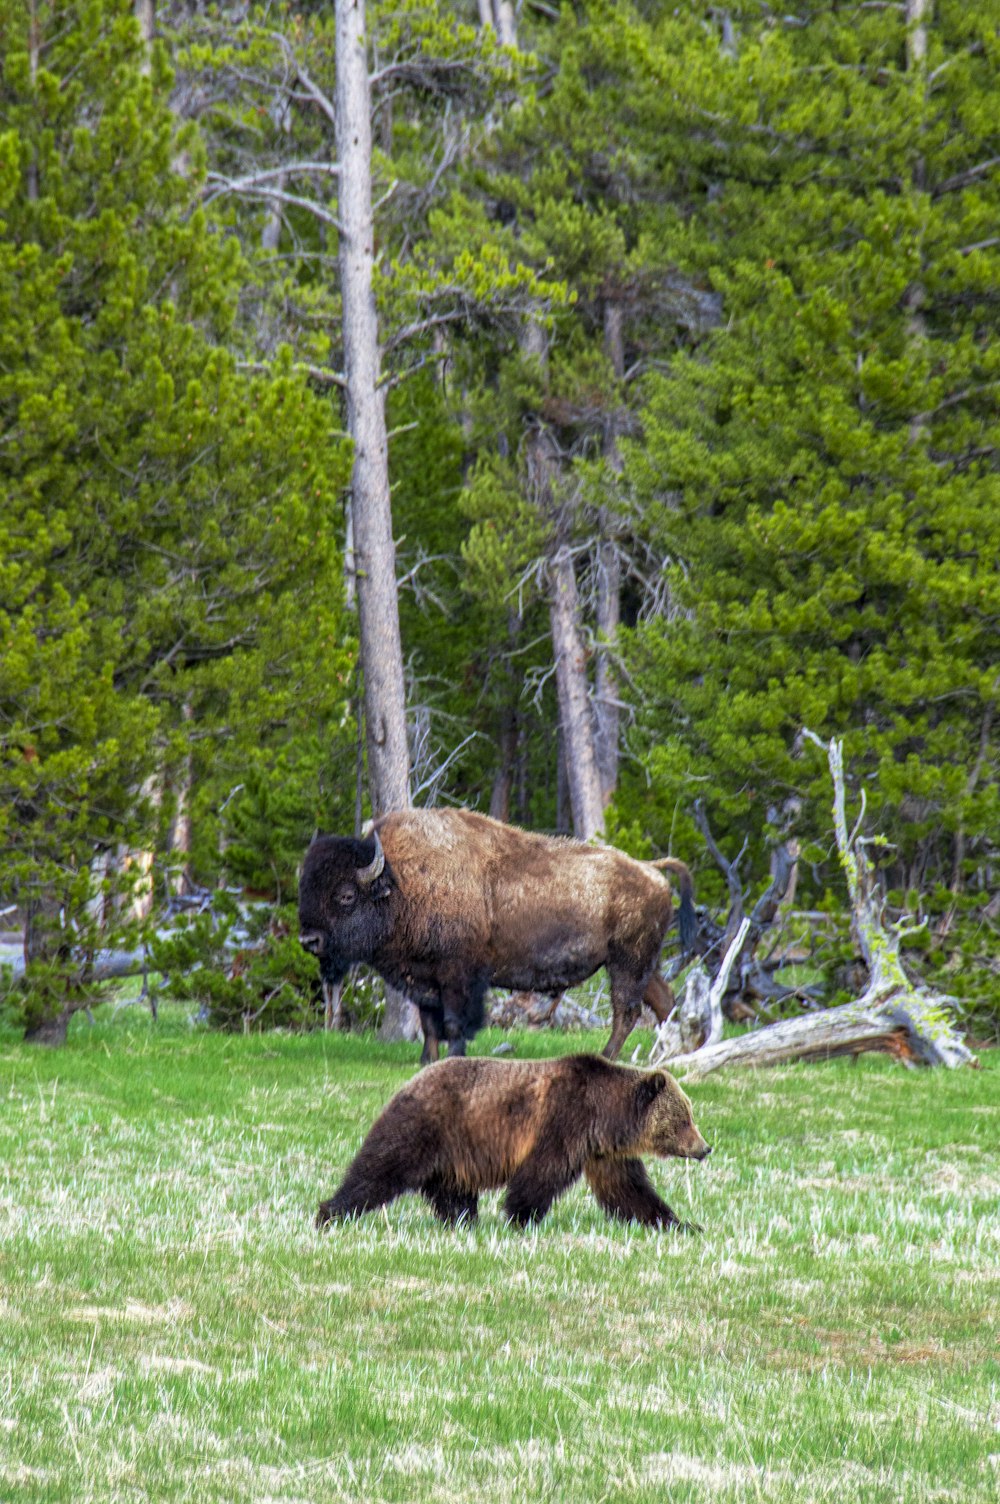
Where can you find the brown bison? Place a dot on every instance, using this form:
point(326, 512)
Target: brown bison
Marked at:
point(447, 903)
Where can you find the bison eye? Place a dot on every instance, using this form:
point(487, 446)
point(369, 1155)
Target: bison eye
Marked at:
point(347, 895)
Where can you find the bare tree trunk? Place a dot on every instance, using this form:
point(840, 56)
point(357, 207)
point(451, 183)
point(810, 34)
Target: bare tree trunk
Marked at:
point(179, 834)
point(374, 548)
point(917, 15)
point(568, 647)
point(574, 702)
point(609, 578)
point(281, 115)
point(503, 782)
point(34, 52)
point(500, 15)
point(145, 14)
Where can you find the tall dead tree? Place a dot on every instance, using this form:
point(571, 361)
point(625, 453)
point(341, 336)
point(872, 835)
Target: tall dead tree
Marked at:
point(371, 513)
point(609, 577)
point(374, 550)
point(569, 648)
point(575, 716)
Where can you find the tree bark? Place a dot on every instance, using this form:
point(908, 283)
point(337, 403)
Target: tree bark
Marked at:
point(503, 782)
point(281, 116)
point(145, 15)
point(574, 702)
point(500, 15)
point(568, 647)
point(374, 548)
point(179, 834)
point(607, 715)
point(917, 15)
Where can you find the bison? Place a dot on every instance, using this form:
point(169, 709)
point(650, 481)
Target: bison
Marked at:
point(447, 903)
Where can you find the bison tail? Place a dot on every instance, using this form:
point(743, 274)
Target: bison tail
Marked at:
point(687, 920)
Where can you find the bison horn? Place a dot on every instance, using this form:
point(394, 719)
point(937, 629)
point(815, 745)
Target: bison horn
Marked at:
point(367, 875)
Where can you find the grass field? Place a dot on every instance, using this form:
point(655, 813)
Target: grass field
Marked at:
point(172, 1328)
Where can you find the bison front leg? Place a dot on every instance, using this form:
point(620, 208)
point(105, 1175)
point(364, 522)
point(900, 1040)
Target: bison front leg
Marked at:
point(429, 1023)
point(462, 1010)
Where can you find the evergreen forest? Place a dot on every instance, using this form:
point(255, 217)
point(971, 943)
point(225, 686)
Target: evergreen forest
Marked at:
point(687, 347)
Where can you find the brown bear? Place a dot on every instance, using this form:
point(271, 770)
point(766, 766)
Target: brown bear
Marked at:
point(471, 1125)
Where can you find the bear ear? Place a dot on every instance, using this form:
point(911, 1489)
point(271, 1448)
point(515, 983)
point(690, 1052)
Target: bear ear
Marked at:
point(650, 1088)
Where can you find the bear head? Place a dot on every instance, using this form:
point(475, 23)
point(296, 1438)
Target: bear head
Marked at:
point(666, 1124)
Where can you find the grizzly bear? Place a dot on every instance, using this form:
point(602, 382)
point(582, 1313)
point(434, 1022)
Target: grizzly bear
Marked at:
point(469, 1125)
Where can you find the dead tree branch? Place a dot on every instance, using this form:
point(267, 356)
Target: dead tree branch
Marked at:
point(895, 1014)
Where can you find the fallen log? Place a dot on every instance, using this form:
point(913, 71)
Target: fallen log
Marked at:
point(848, 1030)
point(895, 1014)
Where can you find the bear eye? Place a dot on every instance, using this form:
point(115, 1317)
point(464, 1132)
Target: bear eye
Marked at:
point(347, 895)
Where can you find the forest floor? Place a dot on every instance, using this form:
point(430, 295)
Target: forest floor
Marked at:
point(172, 1327)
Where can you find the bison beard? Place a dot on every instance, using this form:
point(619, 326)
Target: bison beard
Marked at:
point(447, 903)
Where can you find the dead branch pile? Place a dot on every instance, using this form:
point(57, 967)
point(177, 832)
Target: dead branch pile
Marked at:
point(894, 1014)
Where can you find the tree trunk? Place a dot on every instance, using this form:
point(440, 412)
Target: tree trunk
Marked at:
point(374, 548)
point(609, 578)
point(374, 551)
point(34, 51)
point(145, 14)
point(281, 116)
point(500, 15)
point(916, 16)
point(568, 646)
point(574, 702)
point(503, 782)
point(179, 834)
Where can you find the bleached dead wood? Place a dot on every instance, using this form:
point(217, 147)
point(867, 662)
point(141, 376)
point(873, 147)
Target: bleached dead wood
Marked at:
point(696, 1022)
point(895, 1014)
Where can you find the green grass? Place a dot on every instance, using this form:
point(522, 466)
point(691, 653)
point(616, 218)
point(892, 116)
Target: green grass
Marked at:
point(172, 1328)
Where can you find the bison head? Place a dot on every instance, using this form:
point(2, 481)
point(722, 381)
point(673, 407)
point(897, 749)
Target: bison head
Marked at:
point(343, 909)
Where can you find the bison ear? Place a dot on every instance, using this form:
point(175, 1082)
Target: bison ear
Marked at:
point(650, 1088)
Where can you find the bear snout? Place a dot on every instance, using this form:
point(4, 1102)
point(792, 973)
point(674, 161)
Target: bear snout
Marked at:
point(693, 1146)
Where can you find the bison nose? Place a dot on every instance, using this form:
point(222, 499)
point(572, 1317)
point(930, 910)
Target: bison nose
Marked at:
point(311, 940)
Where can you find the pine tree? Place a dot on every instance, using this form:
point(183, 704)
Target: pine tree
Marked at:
point(171, 592)
point(824, 471)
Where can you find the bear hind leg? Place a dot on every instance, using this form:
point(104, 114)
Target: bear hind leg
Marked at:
point(625, 1192)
